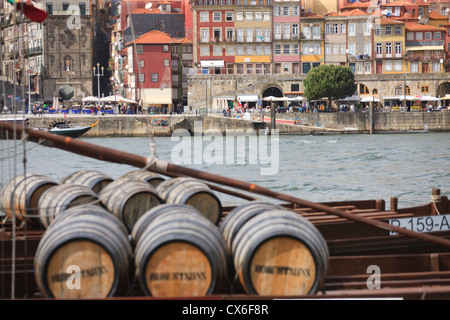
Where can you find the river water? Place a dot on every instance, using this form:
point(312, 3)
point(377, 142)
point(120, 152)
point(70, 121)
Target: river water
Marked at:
point(315, 168)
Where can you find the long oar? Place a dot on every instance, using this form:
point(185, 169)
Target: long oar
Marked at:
point(160, 166)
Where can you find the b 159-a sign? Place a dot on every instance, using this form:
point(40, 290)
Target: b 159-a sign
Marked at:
point(422, 224)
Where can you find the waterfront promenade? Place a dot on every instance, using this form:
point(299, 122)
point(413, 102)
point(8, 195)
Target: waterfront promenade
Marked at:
point(287, 123)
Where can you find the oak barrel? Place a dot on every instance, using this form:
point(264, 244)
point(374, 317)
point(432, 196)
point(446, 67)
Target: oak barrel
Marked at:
point(92, 179)
point(84, 256)
point(240, 215)
point(61, 197)
point(194, 193)
point(129, 199)
point(180, 255)
point(151, 177)
point(21, 196)
point(142, 223)
point(279, 252)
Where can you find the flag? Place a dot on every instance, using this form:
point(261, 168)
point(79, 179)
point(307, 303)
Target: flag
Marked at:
point(30, 11)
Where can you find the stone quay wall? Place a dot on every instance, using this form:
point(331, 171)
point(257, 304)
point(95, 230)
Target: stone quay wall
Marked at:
point(342, 122)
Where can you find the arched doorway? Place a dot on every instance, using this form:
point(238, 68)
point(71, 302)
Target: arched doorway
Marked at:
point(443, 89)
point(271, 91)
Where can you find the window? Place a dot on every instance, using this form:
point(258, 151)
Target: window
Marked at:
point(419, 35)
point(436, 67)
point(165, 48)
point(367, 67)
point(327, 28)
point(204, 35)
point(141, 63)
point(141, 77)
point(295, 49)
point(352, 49)
point(230, 50)
point(437, 35)
point(367, 49)
point(204, 16)
point(295, 10)
point(335, 28)
point(286, 49)
point(428, 35)
point(398, 48)
point(295, 87)
point(328, 49)
point(217, 16)
point(425, 89)
point(267, 50)
point(305, 49)
point(379, 49)
point(249, 16)
point(378, 31)
point(277, 11)
point(335, 49)
point(366, 27)
point(266, 16)
point(295, 29)
point(398, 30)
point(82, 6)
point(278, 49)
point(342, 28)
point(398, 66)
point(204, 50)
point(217, 50)
point(249, 33)
point(388, 31)
point(239, 16)
point(240, 50)
point(229, 16)
point(258, 16)
point(155, 77)
point(65, 6)
point(359, 68)
point(140, 49)
point(414, 67)
point(49, 7)
point(259, 50)
point(351, 29)
point(285, 11)
point(410, 36)
point(388, 48)
point(388, 65)
point(249, 50)
point(316, 48)
point(363, 89)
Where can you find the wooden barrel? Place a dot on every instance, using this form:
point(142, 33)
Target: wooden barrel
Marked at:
point(237, 217)
point(129, 199)
point(194, 193)
point(21, 196)
point(61, 197)
point(142, 223)
point(278, 252)
point(180, 255)
point(92, 179)
point(84, 256)
point(151, 177)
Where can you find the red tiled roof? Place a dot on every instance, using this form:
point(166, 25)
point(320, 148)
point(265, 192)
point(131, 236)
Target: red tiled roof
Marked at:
point(355, 12)
point(436, 16)
point(385, 21)
point(153, 37)
point(412, 26)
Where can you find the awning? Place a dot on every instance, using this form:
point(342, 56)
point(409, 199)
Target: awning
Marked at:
point(212, 64)
point(424, 48)
point(248, 98)
point(392, 97)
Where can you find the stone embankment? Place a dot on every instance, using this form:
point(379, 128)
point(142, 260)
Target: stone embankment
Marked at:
point(305, 123)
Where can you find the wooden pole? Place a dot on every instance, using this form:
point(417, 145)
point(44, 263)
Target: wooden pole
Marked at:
point(162, 167)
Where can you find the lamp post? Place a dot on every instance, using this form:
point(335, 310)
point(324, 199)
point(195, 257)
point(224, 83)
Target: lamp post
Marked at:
point(98, 75)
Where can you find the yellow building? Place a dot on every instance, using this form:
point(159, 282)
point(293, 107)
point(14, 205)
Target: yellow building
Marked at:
point(389, 46)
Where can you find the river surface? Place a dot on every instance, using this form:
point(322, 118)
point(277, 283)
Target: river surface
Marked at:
point(315, 168)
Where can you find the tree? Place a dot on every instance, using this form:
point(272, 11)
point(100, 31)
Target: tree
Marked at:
point(329, 81)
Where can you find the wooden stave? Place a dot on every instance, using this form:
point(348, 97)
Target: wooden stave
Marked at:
point(162, 231)
point(165, 208)
point(87, 228)
point(181, 190)
point(13, 194)
point(117, 194)
point(279, 224)
point(61, 197)
point(240, 215)
point(148, 176)
point(92, 179)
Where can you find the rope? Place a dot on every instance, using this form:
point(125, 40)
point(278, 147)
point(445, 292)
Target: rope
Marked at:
point(434, 199)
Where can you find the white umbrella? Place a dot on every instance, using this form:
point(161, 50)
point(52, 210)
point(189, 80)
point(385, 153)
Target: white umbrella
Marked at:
point(90, 99)
point(370, 99)
point(269, 98)
point(298, 98)
point(125, 100)
point(429, 98)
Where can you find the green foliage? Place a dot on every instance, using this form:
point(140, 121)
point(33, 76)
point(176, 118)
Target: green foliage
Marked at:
point(329, 81)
